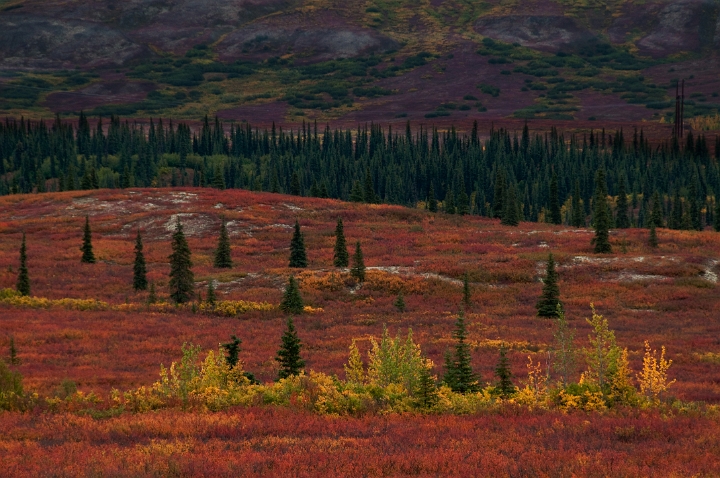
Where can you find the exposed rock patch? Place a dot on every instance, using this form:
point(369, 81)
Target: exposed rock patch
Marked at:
point(30, 41)
point(688, 25)
point(549, 33)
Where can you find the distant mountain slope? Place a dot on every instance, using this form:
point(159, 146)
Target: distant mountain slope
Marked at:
point(196, 57)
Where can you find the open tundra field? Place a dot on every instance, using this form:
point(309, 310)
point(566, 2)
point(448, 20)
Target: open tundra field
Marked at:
point(74, 353)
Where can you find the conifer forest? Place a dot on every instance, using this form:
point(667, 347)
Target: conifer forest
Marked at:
point(386, 238)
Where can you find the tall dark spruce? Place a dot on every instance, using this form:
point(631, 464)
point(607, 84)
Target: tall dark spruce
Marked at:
point(547, 305)
point(182, 280)
point(88, 256)
point(601, 216)
point(23, 280)
point(298, 257)
point(288, 356)
point(140, 281)
point(223, 257)
point(341, 257)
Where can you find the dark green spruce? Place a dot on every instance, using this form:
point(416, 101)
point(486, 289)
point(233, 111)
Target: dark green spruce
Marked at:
point(23, 279)
point(459, 375)
point(341, 257)
point(554, 207)
point(601, 216)
point(223, 256)
point(88, 256)
point(292, 302)
point(182, 280)
point(140, 281)
point(622, 220)
point(504, 385)
point(358, 267)
point(547, 305)
point(298, 257)
point(288, 356)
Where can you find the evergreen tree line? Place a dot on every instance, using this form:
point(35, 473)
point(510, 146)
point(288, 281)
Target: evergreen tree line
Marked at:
point(509, 175)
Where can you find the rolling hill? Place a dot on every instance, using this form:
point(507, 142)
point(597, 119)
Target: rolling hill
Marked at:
point(378, 60)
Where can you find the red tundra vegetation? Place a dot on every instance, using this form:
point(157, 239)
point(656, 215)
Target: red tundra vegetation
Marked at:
point(109, 338)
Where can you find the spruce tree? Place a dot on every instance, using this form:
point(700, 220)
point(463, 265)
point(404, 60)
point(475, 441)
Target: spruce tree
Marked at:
point(295, 184)
point(356, 194)
point(601, 216)
point(232, 349)
point(716, 224)
point(298, 258)
point(289, 354)
point(14, 359)
point(555, 217)
point(463, 203)
point(656, 216)
point(211, 298)
point(498, 206)
point(427, 394)
point(504, 387)
point(218, 181)
point(547, 305)
point(653, 239)
point(152, 297)
point(358, 268)
point(510, 215)
point(23, 280)
point(432, 200)
point(223, 257)
point(368, 188)
point(695, 213)
point(341, 257)
point(139, 269)
point(459, 375)
point(292, 302)
point(467, 293)
point(400, 302)
point(622, 220)
point(675, 220)
point(182, 280)
point(87, 249)
point(578, 214)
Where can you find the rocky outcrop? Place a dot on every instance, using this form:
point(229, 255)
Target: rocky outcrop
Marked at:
point(309, 39)
point(31, 41)
point(687, 25)
point(549, 33)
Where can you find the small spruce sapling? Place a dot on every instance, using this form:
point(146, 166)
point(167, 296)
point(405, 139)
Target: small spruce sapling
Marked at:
point(298, 257)
point(139, 268)
point(653, 239)
point(152, 297)
point(400, 302)
point(292, 302)
point(549, 302)
point(223, 256)
point(14, 359)
point(467, 293)
point(505, 386)
point(341, 257)
point(459, 375)
point(88, 256)
point(23, 280)
point(211, 297)
point(358, 269)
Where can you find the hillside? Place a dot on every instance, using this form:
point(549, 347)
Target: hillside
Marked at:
point(666, 295)
point(85, 337)
point(378, 60)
